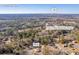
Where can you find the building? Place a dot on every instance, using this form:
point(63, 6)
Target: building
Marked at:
point(58, 27)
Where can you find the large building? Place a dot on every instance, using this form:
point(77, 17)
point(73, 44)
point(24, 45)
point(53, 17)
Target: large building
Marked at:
point(58, 27)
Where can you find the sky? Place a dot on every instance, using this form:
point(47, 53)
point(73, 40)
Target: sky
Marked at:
point(39, 8)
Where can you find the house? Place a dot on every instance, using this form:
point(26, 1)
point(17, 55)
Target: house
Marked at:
point(36, 44)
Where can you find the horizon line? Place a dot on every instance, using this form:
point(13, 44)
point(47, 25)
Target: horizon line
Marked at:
point(39, 13)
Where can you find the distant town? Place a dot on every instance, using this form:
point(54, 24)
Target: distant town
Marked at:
point(39, 34)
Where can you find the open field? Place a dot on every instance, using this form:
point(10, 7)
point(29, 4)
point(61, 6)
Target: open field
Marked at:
point(26, 34)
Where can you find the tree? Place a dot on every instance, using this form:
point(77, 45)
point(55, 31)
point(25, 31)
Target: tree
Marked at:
point(45, 40)
point(77, 37)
